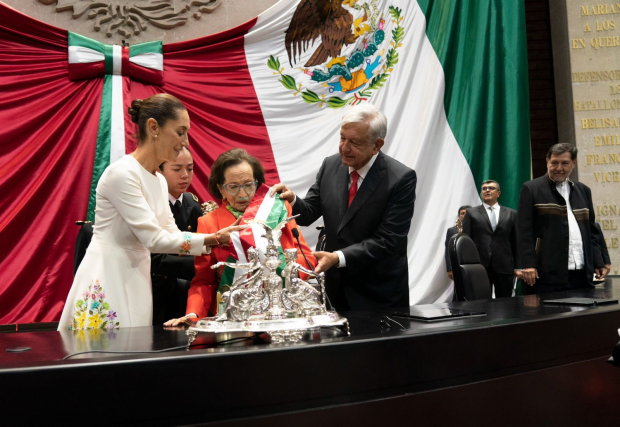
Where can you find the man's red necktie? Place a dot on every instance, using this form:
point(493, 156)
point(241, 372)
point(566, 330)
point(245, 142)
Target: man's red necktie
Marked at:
point(353, 189)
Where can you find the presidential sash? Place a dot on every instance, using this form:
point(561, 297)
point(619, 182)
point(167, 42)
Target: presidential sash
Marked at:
point(263, 208)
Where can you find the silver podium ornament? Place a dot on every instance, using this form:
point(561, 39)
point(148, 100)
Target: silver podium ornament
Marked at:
point(257, 301)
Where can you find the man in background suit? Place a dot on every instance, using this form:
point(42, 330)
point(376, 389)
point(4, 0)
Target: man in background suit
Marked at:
point(451, 232)
point(171, 274)
point(493, 228)
point(366, 199)
point(559, 241)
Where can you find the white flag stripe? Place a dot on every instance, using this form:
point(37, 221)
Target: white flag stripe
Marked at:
point(84, 55)
point(117, 60)
point(117, 131)
point(302, 134)
point(234, 237)
point(149, 60)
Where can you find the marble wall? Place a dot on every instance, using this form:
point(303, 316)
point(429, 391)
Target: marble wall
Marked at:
point(587, 63)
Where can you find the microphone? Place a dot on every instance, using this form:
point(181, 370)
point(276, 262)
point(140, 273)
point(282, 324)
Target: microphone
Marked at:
point(296, 236)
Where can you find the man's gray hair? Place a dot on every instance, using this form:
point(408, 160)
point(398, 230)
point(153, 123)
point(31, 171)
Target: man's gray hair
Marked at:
point(561, 148)
point(368, 113)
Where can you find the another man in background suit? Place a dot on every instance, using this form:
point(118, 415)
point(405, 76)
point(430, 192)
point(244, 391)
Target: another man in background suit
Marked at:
point(172, 274)
point(493, 228)
point(366, 199)
point(558, 239)
point(451, 232)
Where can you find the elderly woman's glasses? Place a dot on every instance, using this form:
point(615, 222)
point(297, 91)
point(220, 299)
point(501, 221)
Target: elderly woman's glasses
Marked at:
point(248, 187)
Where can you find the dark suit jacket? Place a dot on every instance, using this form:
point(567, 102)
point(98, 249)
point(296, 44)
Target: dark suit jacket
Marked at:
point(603, 245)
point(371, 233)
point(170, 294)
point(543, 229)
point(451, 232)
point(498, 250)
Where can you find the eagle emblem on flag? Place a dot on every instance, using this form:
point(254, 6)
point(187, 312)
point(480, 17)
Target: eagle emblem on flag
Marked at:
point(331, 77)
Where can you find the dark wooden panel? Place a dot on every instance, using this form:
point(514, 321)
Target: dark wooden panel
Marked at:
point(543, 115)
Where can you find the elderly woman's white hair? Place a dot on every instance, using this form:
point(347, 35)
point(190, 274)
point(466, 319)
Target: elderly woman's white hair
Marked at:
point(368, 113)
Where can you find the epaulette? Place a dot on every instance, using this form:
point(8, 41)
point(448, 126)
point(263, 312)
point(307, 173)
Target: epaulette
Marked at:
point(194, 197)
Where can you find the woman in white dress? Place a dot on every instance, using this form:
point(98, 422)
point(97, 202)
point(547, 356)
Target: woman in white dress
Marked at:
point(112, 287)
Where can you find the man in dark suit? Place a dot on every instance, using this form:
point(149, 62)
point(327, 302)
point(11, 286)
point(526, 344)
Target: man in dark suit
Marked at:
point(171, 274)
point(493, 228)
point(451, 232)
point(558, 238)
point(366, 199)
point(604, 250)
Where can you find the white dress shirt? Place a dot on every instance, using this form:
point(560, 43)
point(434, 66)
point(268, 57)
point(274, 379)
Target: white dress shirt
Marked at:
point(496, 208)
point(576, 259)
point(362, 172)
point(172, 200)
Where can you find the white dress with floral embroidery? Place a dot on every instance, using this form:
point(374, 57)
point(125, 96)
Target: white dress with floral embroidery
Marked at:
point(112, 287)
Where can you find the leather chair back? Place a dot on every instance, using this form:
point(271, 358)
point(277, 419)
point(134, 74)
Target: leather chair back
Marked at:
point(82, 241)
point(470, 277)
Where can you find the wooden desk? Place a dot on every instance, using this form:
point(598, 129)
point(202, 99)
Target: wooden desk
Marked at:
point(525, 362)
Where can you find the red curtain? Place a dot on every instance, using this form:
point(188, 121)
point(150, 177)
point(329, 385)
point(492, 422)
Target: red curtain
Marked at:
point(48, 134)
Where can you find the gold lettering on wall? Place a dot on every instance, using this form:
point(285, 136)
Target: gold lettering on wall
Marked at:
point(606, 140)
point(594, 44)
point(607, 177)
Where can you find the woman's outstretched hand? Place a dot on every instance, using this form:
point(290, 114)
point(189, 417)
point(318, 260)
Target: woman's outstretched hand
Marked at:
point(223, 236)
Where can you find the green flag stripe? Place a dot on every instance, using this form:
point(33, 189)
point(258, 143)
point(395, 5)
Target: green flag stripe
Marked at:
point(102, 152)
point(277, 214)
point(228, 274)
point(148, 47)
point(482, 49)
point(79, 40)
point(109, 59)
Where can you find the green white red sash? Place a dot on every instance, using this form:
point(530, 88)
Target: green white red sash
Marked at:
point(88, 59)
point(264, 208)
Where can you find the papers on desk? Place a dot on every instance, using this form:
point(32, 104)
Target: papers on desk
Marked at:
point(584, 302)
point(438, 314)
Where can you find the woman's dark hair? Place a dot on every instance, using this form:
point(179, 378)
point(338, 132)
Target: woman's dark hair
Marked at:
point(161, 107)
point(233, 158)
point(161, 167)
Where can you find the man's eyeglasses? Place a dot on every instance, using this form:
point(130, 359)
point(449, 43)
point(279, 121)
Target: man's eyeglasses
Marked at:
point(248, 187)
point(489, 188)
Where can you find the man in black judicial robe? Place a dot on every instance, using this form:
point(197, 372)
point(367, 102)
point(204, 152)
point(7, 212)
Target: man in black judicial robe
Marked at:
point(171, 274)
point(367, 200)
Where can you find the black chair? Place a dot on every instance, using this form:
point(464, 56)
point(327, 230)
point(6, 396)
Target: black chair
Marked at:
point(82, 241)
point(470, 277)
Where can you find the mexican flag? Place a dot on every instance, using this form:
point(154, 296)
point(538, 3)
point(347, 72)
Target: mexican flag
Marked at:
point(263, 208)
point(451, 77)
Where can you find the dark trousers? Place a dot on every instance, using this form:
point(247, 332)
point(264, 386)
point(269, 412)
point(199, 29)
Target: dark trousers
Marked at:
point(577, 279)
point(503, 283)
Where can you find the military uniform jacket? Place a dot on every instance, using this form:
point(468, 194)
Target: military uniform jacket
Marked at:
point(168, 301)
point(543, 229)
